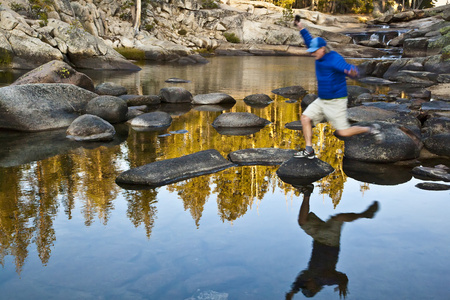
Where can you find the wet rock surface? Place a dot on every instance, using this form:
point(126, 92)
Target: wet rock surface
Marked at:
point(160, 173)
point(90, 128)
point(261, 156)
point(302, 171)
point(37, 107)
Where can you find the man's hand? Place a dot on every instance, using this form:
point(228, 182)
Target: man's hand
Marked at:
point(353, 72)
point(298, 24)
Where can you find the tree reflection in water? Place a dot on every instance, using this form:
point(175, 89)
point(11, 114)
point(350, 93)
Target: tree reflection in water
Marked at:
point(84, 179)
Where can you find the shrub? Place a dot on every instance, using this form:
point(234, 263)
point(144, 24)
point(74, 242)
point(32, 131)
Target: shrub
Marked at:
point(231, 37)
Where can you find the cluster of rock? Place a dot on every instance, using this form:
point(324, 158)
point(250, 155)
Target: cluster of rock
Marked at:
point(91, 114)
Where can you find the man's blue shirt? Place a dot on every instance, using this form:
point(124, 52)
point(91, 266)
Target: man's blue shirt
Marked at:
point(331, 78)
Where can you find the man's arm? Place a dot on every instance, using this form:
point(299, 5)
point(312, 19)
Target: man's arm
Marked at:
point(342, 66)
point(304, 33)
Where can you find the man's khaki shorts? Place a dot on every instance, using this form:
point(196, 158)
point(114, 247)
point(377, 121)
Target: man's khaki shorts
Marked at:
point(333, 110)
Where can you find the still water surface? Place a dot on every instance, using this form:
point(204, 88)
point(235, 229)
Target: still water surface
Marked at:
point(67, 231)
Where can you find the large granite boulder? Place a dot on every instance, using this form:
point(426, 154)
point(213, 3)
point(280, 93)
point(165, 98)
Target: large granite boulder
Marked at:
point(167, 171)
point(397, 145)
point(36, 107)
point(301, 171)
point(56, 71)
point(85, 50)
point(90, 128)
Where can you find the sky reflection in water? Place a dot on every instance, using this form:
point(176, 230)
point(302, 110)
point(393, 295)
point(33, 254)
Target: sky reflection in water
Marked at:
point(69, 232)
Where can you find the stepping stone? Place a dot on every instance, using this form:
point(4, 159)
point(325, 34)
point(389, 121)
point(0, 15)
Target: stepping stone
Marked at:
point(168, 171)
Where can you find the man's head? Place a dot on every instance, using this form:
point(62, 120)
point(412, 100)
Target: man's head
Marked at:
point(317, 47)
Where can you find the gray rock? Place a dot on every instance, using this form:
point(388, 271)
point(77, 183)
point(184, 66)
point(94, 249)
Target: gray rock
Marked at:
point(431, 186)
point(261, 156)
point(396, 146)
point(177, 80)
point(111, 89)
point(90, 128)
point(436, 106)
point(415, 47)
point(36, 107)
point(368, 113)
point(212, 98)
point(258, 100)
point(163, 172)
point(294, 125)
point(239, 119)
point(431, 173)
point(175, 95)
point(307, 100)
point(56, 71)
point(438, 144)
point(301, 171)
point(354, 91)
point(375, 80)
point(155, 119)
point(137, 100)
point(291, 92)
point(110, 108)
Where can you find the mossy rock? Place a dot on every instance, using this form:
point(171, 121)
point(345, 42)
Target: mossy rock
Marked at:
point(131, 53)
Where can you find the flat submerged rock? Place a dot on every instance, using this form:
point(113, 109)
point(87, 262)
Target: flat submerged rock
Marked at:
point(167, 171)
point(261, 156)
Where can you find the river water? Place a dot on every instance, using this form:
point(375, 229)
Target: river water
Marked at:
point(67, 231)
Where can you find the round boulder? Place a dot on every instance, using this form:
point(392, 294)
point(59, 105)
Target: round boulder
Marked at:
point(301, 171)
point(258, 100)
point(290, 92)
point(110, 108)
point(397, 145)
point(90, 128)
point(175, 95)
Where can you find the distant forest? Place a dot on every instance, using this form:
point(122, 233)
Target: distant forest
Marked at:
point(355, 6)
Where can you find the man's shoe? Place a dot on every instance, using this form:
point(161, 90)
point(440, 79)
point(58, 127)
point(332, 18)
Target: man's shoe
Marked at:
point(305, 154)
point(376, 133)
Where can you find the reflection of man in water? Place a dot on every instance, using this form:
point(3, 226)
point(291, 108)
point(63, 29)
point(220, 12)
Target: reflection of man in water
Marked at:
point(324, 257)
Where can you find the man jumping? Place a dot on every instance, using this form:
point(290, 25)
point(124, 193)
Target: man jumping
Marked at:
point(331, 72)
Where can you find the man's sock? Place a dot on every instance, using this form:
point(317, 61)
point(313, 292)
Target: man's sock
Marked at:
point(309, 149)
